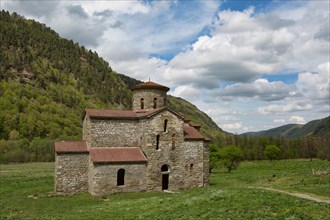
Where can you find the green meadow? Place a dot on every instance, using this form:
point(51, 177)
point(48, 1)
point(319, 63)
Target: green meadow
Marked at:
point(26, 192)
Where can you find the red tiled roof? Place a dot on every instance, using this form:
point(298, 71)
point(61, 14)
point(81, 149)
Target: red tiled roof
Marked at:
point(151, 112)
point(70, 146)
point(185, 117)
point(126, 114)
point(150, 85)
point(191, 133)
point(116, 154)
point(195, 125)
point(116, 114)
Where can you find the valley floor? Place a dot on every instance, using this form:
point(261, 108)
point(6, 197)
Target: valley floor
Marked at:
point(26, 192)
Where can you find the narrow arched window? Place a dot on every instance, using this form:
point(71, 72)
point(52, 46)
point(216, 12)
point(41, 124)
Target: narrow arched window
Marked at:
point(173, 141)
point(155, 102)
point(157, 141)
point(142, 103)
point(165, 125)
point(121, 177)
point(164, 168)
point(191, 167)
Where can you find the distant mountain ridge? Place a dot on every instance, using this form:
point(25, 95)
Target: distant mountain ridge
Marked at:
point(319, 127)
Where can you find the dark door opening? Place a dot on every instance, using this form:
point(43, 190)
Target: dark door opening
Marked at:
point(165, 181)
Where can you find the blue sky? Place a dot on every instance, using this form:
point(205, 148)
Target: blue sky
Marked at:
point(250, 65)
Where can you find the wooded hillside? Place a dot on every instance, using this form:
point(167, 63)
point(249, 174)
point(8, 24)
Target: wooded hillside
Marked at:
point(47, 82)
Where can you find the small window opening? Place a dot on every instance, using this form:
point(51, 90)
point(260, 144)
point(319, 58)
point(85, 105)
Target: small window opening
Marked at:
point(157, 141)
point(121, 177)
point(155, 102)
point(191, 167)
point(173, 141)
point(164, 168)
point(142, 103)
point(165, 125)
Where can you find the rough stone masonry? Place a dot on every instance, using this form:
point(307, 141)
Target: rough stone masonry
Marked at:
point(148, 148)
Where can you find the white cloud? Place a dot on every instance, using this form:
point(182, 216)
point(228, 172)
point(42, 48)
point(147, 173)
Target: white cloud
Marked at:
point(233, 127)
point(142, 68)
point(240, 48)
point(279, 121)
point(34, 9)
point(285, 108)
point(260, 89)
point(315, 85)
point(297, 119)
point(187, 92)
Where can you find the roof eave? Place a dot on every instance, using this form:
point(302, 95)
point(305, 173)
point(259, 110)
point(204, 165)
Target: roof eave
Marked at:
point(114, 118)
point(117, 162)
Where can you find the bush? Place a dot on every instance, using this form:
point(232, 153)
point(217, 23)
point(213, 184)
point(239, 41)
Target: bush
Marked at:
point(272, 152)
point(231, 156)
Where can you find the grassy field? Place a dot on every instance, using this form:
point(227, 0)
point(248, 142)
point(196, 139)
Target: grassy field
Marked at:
point(26, 192)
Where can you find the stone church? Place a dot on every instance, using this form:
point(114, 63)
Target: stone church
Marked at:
point(148, 148)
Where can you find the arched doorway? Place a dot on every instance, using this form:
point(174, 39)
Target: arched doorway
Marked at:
point(121, 177)
point(165, 176)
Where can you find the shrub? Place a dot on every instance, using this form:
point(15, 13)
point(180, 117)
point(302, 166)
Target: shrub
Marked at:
point(272, 152)
point(231, 156)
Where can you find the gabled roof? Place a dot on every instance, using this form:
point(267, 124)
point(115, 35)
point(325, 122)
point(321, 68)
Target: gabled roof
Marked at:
point(150, 85)
point(111, 114)
point(116, 155)
point(191, 133)
point(197, 126)
point(128, 114)
point(71, 147)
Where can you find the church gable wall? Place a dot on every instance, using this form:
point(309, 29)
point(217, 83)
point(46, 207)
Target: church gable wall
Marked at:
point(113, 133)
point(103, 178)
point(169, 150)
point(71, 173)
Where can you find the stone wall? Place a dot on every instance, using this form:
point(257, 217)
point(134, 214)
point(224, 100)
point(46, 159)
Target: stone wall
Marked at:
point(71, 173)
point(194, 163)
point(206, 159)
point(103, 178)
point(87, 129)
point(148, 96)
point(112, 133)
point(167, 154)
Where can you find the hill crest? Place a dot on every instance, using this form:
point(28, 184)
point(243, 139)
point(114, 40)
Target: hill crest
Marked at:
point(318, 127)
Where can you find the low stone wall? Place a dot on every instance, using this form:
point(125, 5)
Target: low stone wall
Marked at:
point(103, 178)
point(71, 173)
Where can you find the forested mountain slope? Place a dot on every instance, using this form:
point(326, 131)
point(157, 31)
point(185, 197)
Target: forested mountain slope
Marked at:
point(319, 127)
point(47, 82)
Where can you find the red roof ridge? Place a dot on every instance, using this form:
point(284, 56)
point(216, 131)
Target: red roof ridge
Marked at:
point(150, 85)
point(70, 146)
point(191, 133)
point(110, 113)
point(128, 114)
